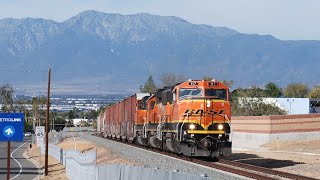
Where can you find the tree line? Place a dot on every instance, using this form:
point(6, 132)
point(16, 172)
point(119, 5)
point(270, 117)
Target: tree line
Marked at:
point(245, 101)
point(271, 89)
point(293, 90)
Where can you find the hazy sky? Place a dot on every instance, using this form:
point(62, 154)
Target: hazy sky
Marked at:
point(284, 19)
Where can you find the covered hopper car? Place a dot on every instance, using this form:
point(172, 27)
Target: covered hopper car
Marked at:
point(191, 118)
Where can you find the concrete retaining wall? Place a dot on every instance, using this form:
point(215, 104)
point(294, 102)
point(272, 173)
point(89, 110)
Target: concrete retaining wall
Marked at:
point(255, 141)
point(251, 132)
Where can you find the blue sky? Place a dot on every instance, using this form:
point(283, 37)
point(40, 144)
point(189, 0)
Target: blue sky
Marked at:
point(284, 19)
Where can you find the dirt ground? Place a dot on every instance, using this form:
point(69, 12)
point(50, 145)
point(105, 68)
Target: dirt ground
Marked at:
point(296, 157)
point(56, 171)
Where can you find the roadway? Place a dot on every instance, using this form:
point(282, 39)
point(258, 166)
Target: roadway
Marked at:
point(21, 168)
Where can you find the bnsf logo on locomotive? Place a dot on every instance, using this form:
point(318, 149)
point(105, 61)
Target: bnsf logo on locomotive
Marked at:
point(201, 111)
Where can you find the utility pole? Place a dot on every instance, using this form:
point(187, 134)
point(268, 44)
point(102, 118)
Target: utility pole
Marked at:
point(47, 124)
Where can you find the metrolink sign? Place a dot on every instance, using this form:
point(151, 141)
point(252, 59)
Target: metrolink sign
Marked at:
point(11, 126)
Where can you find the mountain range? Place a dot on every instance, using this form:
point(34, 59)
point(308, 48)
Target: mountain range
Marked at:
point(95, 52)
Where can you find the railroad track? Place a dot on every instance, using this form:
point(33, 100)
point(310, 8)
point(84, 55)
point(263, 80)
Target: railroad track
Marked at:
point(246, 170)
point(264, 170)
point(251, 171)
point(243, 169)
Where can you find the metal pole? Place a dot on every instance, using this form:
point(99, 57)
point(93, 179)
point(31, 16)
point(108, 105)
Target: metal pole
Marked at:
point(8, 161)
point(47, 124)
point(290, 107)
point(53, 123)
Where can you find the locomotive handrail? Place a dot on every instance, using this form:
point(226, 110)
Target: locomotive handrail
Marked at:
point(186, 117)
point(144, 130)
point(177, 127)
point(179, 134)
point(229, 122)
point(159, 127)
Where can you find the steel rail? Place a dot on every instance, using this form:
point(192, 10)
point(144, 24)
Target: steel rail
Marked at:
point(265, 170)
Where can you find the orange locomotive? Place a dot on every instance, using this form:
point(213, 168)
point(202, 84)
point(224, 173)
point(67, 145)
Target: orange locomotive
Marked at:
point(191, 118)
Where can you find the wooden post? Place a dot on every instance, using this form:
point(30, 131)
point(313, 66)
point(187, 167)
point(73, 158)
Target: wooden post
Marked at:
point(47, 124)
point(8, 161)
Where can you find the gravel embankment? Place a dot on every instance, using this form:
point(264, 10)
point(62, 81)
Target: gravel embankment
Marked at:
point(154, 160)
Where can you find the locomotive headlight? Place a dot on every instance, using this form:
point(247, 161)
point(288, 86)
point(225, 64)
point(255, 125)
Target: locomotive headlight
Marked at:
point(220, 127)
point(208, 103)
point(192, 126)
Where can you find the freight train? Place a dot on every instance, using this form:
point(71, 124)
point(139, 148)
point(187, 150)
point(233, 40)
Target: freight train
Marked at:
point(191, 118)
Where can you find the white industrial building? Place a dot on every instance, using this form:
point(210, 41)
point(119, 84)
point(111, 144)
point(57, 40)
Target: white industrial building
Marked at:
point(299, 105)
point(293, 105)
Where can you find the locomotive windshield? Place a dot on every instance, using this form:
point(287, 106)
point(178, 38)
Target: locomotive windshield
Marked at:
point(142, 104)
point(185, 93)
point(217, 93)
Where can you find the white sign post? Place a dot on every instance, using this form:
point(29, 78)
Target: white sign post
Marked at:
point(40, 132)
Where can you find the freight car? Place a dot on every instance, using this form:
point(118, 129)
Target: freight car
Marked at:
point(191, 118)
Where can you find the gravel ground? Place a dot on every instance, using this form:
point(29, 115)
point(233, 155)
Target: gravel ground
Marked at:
point(154, 160)
point(104, 156)
point(296, 157)
point(294, 163)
